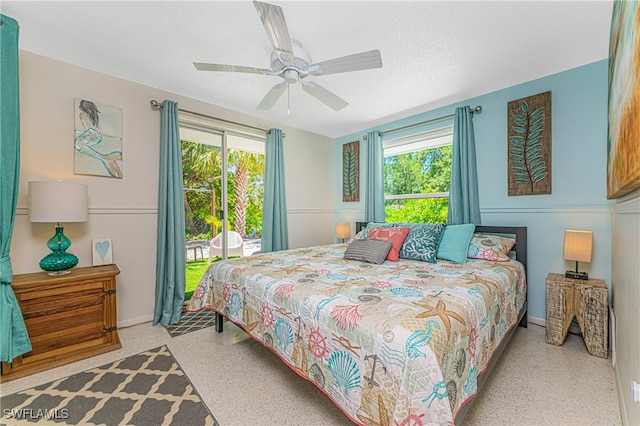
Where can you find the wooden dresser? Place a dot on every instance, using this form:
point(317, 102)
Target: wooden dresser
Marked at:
point(68, 317)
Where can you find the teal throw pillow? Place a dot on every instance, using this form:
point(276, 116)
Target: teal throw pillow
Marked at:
point(455, 242)
point(422, 242)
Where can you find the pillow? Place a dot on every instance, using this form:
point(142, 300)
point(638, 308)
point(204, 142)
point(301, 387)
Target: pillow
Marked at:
point(395, 235)
point(490, 247)
point(455, 242)
point(358, 236)
point(422, 242)
point(371, 251)
point(372, 225)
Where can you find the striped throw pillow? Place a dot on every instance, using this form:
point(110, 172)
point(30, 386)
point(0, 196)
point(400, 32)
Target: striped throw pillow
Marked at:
point(370, 251)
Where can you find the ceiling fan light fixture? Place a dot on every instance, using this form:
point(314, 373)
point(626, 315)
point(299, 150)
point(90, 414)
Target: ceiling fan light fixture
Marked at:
point(291, 76)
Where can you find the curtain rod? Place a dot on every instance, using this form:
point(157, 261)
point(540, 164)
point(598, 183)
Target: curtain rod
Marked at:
point(477, 109)
point(157, 106)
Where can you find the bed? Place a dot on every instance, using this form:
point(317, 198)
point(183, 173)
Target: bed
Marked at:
point(407, 342)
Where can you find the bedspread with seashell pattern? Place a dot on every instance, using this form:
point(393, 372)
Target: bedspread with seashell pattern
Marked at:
point(397, 343)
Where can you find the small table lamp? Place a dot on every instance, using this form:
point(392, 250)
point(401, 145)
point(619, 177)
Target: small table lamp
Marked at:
point(578, 246)
point(343, 230)
point(58, 202)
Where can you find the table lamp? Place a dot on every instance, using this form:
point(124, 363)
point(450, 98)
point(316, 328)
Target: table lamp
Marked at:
point(57, 202)
point(343, 230)
point(578, 246)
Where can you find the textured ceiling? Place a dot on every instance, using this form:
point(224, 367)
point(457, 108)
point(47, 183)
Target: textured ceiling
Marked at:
point(434, 52)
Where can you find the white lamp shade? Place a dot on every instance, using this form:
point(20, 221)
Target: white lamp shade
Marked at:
point(578, 245)
point(58, 202)
point(343, 230)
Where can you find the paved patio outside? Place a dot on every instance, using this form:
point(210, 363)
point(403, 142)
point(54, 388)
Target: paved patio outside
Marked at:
point(201, 247)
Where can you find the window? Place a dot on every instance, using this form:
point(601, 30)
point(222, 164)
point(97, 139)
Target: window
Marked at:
point(417, 177)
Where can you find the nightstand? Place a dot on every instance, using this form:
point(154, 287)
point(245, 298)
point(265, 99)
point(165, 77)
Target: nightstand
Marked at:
point(68, 317)
point(587, 300)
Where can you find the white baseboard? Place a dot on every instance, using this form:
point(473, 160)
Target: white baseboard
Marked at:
point(135, 321)
point(536, 321)
point(573, 328)
point(612, 335)
point(623, 407)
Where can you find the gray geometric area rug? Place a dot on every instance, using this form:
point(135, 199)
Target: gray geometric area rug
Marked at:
point(146, 389)
point(192, 321)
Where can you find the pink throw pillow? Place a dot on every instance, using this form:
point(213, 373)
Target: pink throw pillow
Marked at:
point(395, 235)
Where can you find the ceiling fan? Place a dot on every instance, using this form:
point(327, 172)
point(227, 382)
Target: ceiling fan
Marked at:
point(292, 62)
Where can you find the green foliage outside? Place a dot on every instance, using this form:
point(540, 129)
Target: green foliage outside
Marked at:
point(201, 166)
point(418, 172)
point(195, 270)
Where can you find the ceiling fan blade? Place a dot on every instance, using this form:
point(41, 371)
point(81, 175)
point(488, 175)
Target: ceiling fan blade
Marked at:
point(323, 95)
point(201, 66)
point(274, 94)
point(272, 18)
point(355, 62)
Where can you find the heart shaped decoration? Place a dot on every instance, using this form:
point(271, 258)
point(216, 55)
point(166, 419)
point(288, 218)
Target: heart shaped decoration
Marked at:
point(102, 247)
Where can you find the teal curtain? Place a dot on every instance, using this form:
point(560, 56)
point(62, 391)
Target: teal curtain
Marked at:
point(464, 206)
point(374, 191)
point(275, 232)
point(171, 262)
point(14, 340)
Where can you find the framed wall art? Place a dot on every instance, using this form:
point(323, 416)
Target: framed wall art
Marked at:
point(623, 144)
point(529, 145)
point(97, 139)
point(102, 251)
point(351, 171)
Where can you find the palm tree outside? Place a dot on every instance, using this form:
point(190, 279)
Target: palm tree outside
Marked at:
point(202, 175)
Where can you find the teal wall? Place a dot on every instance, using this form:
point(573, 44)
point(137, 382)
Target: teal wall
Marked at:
point(579, 151)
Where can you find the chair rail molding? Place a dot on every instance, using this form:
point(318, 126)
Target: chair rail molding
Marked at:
point(548, 210)
point(24, 211)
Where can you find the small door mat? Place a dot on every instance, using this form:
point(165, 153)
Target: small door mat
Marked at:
point(148, 388)
point(192, 321)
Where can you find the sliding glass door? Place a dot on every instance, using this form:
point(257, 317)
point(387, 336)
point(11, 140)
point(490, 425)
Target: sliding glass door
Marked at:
point(223, 181)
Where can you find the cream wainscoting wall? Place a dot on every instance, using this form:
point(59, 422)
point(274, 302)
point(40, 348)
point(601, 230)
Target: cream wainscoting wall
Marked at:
point(125, 210)
point(625, 277)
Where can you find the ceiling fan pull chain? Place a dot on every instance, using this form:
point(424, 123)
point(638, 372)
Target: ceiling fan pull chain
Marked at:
point(288, 99)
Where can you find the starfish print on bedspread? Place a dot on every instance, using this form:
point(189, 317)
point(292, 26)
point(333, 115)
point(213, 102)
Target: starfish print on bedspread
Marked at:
point(440, 310)
point(296, 268)
point(393, 270)
point(477, 279)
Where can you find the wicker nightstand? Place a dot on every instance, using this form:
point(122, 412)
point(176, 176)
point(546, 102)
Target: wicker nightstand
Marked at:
point(587, 300)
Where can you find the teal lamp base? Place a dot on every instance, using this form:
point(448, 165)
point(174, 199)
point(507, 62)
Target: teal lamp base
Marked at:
point(59, 262)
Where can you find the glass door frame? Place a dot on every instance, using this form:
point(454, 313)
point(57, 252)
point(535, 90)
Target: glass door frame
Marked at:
point(224, 198)
point(223, 129)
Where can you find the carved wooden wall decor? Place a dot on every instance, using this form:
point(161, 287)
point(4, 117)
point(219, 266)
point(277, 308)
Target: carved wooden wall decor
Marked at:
point(351, 171)
point(529, 145)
